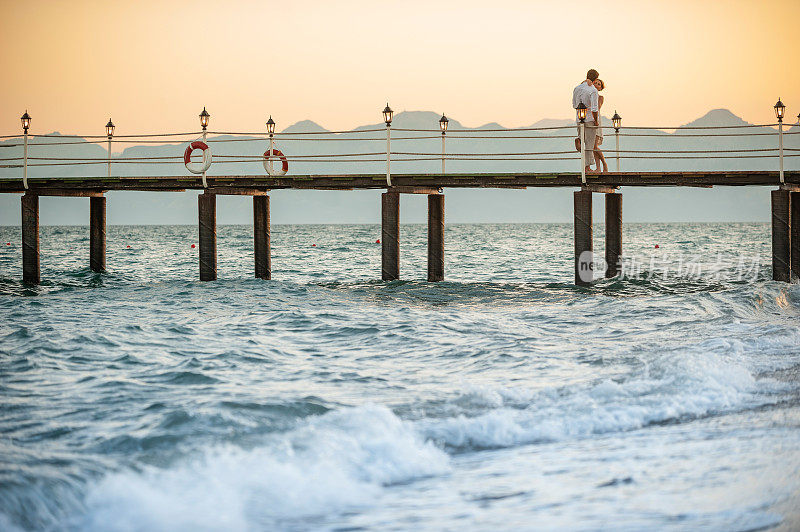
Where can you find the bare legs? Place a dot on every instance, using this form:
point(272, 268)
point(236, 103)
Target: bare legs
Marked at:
point(588, 168)
point(599, 158)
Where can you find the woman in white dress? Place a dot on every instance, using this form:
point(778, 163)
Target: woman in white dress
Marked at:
point(599, 158)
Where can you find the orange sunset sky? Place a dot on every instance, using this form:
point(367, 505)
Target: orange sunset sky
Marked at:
point(153, 65)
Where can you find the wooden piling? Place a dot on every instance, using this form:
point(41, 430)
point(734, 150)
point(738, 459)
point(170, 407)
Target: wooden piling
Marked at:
point(613, 234)
point(780, 235)
point(584, 254)
point(207, 214)
point(261, 237)
point(390, 236)
point(794, 234)
point(30, 239)
point(97, 234)
point(435, 237)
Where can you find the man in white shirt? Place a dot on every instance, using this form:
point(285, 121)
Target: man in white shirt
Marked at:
point(586, 93)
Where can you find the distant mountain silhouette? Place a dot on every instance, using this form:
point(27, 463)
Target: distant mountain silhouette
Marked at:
point(553, 122)
point(716, 118)
point(490, 125)
point(305, 126)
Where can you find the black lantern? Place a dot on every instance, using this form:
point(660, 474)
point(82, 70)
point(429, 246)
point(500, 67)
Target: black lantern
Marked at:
point(616, 120)
point(581, 112)
point(26, 120)
point(443, 121)
point(270, 126)
point(387, 115)
point(780, 110)
point(110, 129)
point(204, 116)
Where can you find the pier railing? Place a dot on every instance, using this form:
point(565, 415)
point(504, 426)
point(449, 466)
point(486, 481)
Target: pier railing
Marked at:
point(406, 151)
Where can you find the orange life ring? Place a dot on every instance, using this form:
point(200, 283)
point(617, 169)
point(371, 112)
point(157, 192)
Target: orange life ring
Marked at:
point(197, 168)
point(268, 155)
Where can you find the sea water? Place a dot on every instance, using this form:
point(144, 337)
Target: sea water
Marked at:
point(503, 398)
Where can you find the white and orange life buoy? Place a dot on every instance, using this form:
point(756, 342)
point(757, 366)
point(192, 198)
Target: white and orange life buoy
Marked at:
point(197, 168)
point(268, 155)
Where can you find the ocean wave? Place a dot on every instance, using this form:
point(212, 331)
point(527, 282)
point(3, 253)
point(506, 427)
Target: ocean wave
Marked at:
point(336, 461)
point(342, 460)
point(718, 376)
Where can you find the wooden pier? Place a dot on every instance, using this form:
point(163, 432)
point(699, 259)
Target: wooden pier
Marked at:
point(785, 211)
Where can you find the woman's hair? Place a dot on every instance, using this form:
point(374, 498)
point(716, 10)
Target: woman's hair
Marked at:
point(602, 85)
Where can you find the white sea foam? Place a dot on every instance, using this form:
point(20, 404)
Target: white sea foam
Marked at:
point(336, 461)
point(671, 387)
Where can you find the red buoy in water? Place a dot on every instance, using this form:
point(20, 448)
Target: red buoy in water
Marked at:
point(8, 243)
point(656, 246)
point(128, 247)
point(378, 241)
point(313, 245)
point(192, 246)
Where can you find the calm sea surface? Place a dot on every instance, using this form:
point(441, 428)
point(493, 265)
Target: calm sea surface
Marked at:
point(501, 399)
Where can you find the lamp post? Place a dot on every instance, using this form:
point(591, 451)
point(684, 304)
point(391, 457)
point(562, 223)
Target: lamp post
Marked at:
point(271, 131)
point(110, 134)
point(387, 118)
point(617, 121)
point(581, 127)
point(204, 118)
point(780, 111)
point(26, 123)
point(443, 121)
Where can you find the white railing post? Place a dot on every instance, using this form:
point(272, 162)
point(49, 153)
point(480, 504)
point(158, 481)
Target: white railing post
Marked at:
point(780, 148)
point(205, 184)
point(443, 151)
point(25, 167)
point(583, 153)
point(270, 161)
point(616, 136)
point(388, 151)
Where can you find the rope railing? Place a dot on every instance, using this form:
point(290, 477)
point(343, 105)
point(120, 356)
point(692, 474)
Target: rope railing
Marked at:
point(486, 157)
point(676, 135)
point(664, 136)
point(572, 126)
point(343, 132)
point(142, 135)
point(482, 130)
point(258, 157)
point(380, 130)
point(560, 135)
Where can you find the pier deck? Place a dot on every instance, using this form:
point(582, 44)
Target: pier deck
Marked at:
point(246, 184)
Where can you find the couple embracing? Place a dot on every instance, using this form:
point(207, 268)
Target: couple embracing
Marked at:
point(587, 93)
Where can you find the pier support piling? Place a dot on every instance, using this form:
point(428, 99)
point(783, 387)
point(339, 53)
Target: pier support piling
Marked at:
point(207, 214)
point(390, 236)
point(262, 243)
point(613, 234)
point(97, 234)
point(435, 237)
point(30, 239)
point(780, 234)
point(794, 234)
point(584, 254)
